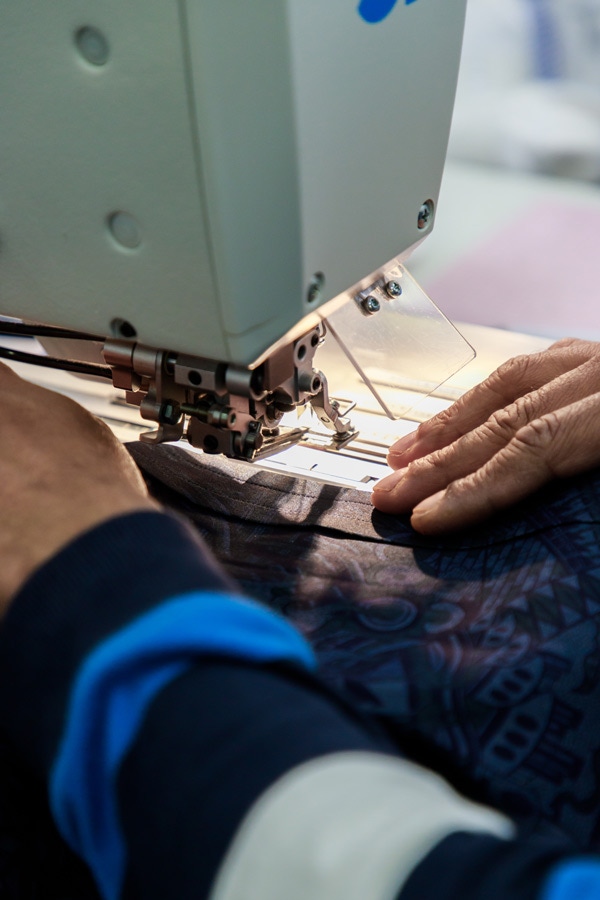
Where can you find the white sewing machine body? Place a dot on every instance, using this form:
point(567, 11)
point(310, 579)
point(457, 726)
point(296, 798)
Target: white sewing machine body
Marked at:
point(201, 184)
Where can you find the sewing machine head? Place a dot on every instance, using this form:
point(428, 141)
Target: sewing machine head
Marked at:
point(215, 190)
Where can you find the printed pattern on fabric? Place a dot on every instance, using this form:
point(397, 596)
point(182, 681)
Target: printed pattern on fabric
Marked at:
point(482, 646)
point(480, 651)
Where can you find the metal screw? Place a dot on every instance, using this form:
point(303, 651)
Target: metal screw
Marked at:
point(169, 413)
point(315, 287)
point(425, 214)
point(252, 444)
point(393, 289)
point(371, 305)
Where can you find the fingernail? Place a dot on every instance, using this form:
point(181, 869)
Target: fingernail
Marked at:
point(404, 444)
point(428, 504)
point(390, 481)
point(393, 458)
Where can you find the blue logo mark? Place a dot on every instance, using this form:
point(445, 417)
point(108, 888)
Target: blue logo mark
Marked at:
point(377, 10)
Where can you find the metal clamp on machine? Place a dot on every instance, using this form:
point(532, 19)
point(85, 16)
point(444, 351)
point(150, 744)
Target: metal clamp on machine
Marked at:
point(220, 407)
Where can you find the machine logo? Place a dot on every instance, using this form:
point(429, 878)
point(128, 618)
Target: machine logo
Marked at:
point(377, 10)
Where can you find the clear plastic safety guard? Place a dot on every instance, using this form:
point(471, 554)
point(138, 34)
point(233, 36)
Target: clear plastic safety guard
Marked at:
point(392, 345)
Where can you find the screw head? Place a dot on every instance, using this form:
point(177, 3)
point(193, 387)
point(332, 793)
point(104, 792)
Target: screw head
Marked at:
point(169, 414)
point(393, 289)
point(371, 305)
point(425, 215)
point(315, 287)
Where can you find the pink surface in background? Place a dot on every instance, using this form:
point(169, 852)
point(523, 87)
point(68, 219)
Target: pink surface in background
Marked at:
point(539, 274)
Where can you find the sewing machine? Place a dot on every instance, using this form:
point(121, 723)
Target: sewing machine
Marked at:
point(211, 205)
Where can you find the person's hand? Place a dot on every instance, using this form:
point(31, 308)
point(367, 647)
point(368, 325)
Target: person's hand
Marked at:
point(534, 419)
point(61, 472)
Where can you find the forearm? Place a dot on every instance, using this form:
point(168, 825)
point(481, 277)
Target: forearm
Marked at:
point(94, 635)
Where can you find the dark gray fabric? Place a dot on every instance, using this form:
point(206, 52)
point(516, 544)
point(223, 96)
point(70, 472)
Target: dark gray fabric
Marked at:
point(481, 648)
point(480, 651)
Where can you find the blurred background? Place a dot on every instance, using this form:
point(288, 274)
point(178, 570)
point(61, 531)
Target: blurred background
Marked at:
point(517, 237)
point(529, 90)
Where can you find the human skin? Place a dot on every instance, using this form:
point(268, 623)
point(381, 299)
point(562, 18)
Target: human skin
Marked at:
point(61, 473)
point(534, 419)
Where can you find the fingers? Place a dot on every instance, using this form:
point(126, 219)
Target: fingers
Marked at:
point(401, 491)
point(516, 378)
point(531, 420)
point(559, 444)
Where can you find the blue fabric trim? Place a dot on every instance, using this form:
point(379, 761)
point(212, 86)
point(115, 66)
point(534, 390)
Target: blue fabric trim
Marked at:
point(574, 880)
point(112, 691)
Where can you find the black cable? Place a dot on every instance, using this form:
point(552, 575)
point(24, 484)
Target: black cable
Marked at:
point(51, 362)
point(20, 329)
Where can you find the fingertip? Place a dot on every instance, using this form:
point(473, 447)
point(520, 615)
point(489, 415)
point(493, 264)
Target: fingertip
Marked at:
point(384, 496)
point(448, 512)
point(427, 508)
point(383, 501)
point(388, 483)
point(403, 444)
point(395, 460)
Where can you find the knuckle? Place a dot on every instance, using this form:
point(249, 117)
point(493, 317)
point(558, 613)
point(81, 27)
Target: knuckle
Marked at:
point(578, 346)
point(424, 428)
point(478, 490)
point(505, 422)
point(575, 350)
point(565, 342)
point(448, 425)
point(539, 434)
point(518, 366)
point(538, 441)
point(499, 424)
point(470, 490)
point(432, 434)
point(457, 489)
point(525, 409)
point(516, 373)
point(437, 423)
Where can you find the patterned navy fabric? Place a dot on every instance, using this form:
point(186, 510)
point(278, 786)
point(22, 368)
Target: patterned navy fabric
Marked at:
point(482, 648)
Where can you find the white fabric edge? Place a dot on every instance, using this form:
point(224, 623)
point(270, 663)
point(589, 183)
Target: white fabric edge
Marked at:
point(348, 826)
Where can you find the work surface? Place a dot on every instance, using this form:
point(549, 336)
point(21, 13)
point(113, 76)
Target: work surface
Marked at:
point(354, 466)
